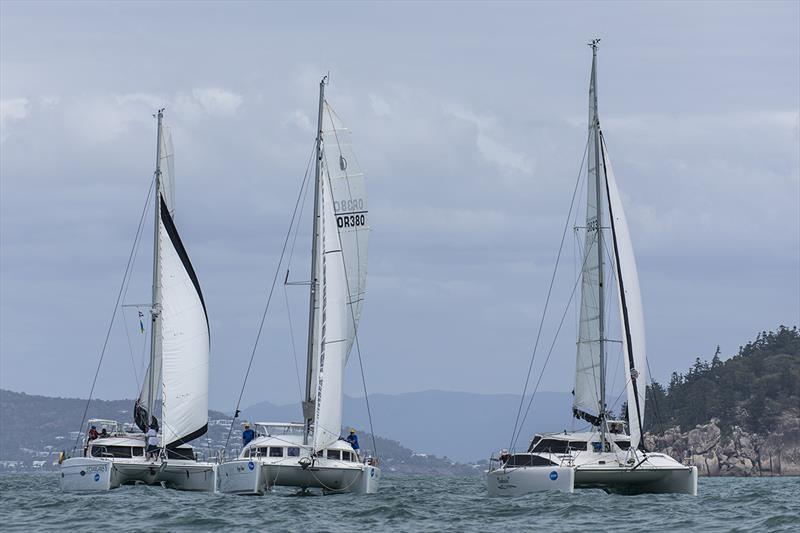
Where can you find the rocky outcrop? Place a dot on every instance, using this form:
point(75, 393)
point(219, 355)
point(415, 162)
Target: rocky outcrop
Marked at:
point(737, 454)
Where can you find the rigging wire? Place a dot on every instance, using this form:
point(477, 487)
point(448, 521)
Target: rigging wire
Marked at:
point(547, 359)
point(269, 300)
point(549, 292)
point(128, 266)
point(331, 112)
point(286, 293)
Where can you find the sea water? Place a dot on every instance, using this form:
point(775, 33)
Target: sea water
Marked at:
point(33, 502)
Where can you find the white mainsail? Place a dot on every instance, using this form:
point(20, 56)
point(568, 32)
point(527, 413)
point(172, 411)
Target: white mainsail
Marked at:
point(588, 369)
point(333, 333)
point(630, 307)
point(184, 341)
point(349, 195)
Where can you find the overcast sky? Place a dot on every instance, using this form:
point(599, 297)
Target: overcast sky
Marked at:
point(470, 122)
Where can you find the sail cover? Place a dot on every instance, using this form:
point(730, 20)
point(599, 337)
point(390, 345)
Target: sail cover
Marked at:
point(349, 197)
point(185, 340)
point(333, 332)
point(630, 306)
point(586, 401)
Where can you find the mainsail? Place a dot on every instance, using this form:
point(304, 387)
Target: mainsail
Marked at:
point(630, 306)
point(333, 332)
point(349, 195)
point(588, 371)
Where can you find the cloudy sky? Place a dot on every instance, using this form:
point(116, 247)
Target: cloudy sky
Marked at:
point(470, 122)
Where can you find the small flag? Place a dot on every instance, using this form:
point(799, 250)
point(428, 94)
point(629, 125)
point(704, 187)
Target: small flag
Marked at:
point(141, 324)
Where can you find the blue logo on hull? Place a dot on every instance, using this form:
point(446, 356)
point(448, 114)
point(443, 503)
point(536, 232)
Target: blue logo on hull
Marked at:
point(251, 465)
point(553, 475)
point(97, 477)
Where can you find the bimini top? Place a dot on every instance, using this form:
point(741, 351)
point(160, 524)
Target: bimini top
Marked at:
point(280, 427)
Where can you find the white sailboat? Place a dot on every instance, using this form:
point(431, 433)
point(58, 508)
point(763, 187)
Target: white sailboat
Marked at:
point(179, 353)
point(609, 456)
point(311, 454)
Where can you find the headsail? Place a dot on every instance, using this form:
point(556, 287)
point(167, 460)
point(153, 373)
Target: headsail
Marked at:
point(588, 370)
point(333, 333)
point(185, 341)
point(630, 306)
point(349, 196)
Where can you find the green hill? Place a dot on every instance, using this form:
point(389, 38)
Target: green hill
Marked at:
point(754, 389)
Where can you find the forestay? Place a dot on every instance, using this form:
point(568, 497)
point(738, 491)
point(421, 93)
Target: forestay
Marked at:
point(185, 340)
point(630, 306)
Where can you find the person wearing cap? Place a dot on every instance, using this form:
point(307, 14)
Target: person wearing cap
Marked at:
point(93, 433)
point(247, 435)
point(504, 456)
point(352, 438)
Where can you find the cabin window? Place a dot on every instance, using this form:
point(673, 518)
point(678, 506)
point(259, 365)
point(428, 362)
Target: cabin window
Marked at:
point(346, 456)
point(334, 454)
point(120, 452)
point(624, 444)
point(137, 452)
point(275, 451)
point(293, 451)
point(528, 460)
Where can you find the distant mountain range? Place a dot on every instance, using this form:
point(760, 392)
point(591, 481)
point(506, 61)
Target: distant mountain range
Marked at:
point(462, 426)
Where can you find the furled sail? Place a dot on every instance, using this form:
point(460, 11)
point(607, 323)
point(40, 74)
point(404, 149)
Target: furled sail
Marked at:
point(349, 196)
point(185, 340)
point(333, 329)
point(586, 401)
point(167, 166)
point(630, 306)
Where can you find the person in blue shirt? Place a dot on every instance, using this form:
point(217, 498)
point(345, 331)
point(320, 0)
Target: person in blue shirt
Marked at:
point(247, 435)
point(352, 438)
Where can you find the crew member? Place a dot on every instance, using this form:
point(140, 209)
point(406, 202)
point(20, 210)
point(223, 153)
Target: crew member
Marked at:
point(352, 438)
point(152, 442)
point(247, 435)
point(93, 433)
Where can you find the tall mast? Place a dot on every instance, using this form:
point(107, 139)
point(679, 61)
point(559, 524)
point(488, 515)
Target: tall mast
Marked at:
point(308, 411)
point(155, 310)
point(601, 292)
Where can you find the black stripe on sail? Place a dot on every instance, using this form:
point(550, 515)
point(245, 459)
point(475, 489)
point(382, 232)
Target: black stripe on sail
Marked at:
point(626, 322)
point(190, 437)
point(172, 231)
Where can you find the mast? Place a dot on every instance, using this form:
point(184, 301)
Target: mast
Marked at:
point(308, 411)
point(600, 275)
point(155, 310)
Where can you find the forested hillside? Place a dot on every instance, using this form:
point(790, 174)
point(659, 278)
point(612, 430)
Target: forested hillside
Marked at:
point(753, 389)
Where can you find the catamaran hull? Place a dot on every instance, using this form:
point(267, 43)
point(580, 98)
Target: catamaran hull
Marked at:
point(243, 477)
point(524, 480)
point(519, 481)
point(639, 481)
point(255, 478)
point(88, 474)
point(363, 480)
point(188, 475)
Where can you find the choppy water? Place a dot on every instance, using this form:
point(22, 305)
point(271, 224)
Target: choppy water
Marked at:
point(33, 502)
